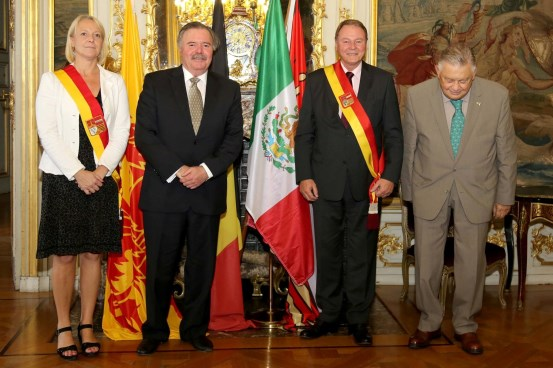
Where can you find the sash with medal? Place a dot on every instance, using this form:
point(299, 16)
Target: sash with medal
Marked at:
point(362, 128)
point(90, 110)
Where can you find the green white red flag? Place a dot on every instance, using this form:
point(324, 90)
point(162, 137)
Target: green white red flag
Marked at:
point(301, 308)
point(277, 209)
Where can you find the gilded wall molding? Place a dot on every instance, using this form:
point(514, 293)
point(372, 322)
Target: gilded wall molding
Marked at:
point(149, 43)
point(116, 32)
point(388, 244)
point(11, 106)
point(319, 14)
point(541, 244)
point(151, 50)
point(24, 65)
point(373, 30)
point(497, 236)
point(11, 24)
point(345, 12)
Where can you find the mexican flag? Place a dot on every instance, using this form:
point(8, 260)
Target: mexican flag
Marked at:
point(277, 209)
point(301, 308)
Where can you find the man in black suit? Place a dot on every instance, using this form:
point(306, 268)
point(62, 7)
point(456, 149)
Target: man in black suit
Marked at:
point(349, 147)
point(188, 148)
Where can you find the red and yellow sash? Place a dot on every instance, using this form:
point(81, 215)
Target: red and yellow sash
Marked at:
point(90, 110)
point(362, 128)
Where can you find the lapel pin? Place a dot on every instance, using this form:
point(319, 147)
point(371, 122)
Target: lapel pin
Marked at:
point(478, 103)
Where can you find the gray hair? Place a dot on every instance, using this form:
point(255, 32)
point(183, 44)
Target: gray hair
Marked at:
point(198, 25)
point(458, 55)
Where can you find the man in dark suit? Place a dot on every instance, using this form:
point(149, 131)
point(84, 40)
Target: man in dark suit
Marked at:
point(349, 148)
point(460, 156)
point(188, 144)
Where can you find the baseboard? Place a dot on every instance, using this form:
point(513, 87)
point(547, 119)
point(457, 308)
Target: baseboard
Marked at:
point(32, 284)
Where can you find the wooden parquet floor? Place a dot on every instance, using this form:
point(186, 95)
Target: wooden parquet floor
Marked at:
point(511, 338)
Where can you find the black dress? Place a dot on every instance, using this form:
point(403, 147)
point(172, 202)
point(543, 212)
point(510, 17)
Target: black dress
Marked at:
point(73, 222)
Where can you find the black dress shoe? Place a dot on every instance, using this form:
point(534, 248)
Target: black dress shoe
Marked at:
point(201, 343)
point(361, 335)
point(318, 329)
point(147, 347)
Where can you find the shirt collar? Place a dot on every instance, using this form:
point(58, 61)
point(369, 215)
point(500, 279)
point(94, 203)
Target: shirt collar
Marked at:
point(356, 72)
point(188, 75)
point(465, 99)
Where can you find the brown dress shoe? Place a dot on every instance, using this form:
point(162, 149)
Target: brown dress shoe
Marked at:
point(470, 343)
point(421, 339)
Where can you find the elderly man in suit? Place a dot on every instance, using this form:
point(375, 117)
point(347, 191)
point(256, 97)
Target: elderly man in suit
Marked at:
point(349, 147)
point(459, 157)
point(189, 130)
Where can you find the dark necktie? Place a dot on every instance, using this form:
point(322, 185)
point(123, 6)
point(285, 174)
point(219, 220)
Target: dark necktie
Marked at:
point(344, 119)
point(457, 125)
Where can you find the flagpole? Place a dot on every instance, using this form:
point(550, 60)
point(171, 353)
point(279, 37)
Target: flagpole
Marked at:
point(278, 212)
point(271, 318)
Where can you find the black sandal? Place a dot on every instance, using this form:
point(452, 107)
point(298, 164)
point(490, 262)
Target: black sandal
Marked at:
point(87, 345)
point(66, 348)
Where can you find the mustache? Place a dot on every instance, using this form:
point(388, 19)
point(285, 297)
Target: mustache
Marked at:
point(199, 57)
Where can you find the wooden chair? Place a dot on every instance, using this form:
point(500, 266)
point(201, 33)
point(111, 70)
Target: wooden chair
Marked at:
point(496, 258)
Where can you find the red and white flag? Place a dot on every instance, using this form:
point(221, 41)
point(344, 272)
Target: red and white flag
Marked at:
point(277, 209)
point(301, 308)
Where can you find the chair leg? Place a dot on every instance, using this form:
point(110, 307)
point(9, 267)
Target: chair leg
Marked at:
point(501, 285)
point(405, 273)
point(443, 288)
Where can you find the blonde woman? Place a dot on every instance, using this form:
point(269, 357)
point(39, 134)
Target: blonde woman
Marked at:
point(83, 123)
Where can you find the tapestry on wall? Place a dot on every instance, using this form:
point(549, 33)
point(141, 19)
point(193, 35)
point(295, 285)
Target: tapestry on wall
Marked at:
point(512, 41)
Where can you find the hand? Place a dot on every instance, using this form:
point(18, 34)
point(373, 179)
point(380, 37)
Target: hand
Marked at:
point(89, 181)
point(308, 190)
point(382, 188)
point(192, 177)
point(500, 211)
point(101, 172)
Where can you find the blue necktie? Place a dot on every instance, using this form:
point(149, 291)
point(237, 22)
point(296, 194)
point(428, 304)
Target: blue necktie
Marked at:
point(457, 125)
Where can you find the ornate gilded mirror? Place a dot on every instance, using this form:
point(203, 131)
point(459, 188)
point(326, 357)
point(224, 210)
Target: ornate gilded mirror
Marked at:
point(244, 23)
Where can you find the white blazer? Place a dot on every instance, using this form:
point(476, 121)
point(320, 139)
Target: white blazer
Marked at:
point(57, 119)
